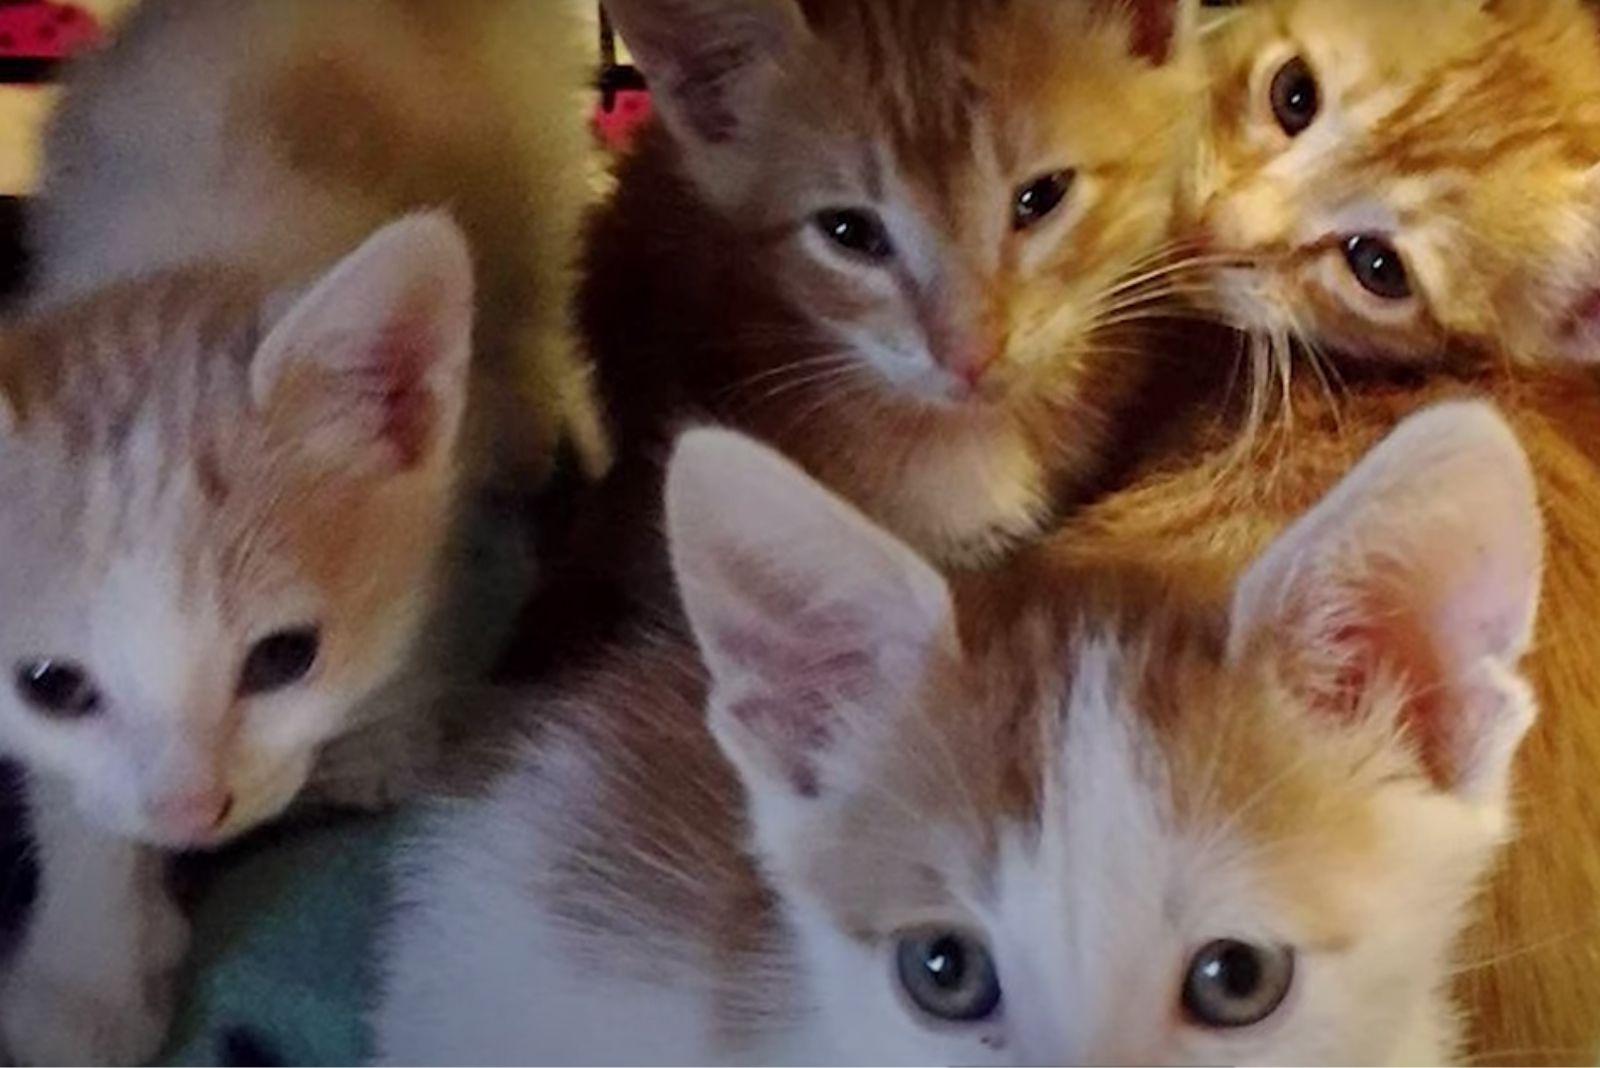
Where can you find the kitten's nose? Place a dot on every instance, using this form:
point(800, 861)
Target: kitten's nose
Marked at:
point(195, 814)
point(970, 362)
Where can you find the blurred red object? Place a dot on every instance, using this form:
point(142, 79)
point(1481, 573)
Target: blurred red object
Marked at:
point(618, 124)
point(45, 30)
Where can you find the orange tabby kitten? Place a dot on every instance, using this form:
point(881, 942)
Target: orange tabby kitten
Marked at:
point(1529, 971)
point(1401, 180)
point(894, 238)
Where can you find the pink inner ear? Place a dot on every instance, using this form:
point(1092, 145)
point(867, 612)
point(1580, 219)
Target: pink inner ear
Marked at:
point(1386, 641)
point(1582, 322)
point(1155, 25)
point(394, 381)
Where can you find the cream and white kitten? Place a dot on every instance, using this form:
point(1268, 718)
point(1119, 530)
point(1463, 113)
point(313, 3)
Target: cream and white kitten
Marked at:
point(225, 504)
point(1068, 814)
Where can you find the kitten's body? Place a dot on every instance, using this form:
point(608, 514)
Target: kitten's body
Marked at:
point(274, 135)
point(226, 505)
point(1464, 136)
point(1095, 768)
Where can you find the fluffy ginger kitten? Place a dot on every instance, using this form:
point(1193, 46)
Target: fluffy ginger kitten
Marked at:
point(898, 239)
point(1401, 180)
point(1067, 815)
point(224, 506)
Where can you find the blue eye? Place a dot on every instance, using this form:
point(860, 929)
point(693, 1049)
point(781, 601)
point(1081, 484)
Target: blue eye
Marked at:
point(857, 231)
point(948, 974)
point(1234, 984)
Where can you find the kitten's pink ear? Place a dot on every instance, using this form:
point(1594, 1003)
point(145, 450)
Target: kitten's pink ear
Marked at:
point(1414, 586)
point(1159, 29)
point(372, 361)
point(816, 626)
point(709, 62)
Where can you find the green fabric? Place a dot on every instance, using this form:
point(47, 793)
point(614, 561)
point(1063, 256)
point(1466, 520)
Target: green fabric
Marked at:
point(282, 940)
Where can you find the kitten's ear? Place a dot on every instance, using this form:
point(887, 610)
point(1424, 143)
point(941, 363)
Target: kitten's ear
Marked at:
point(1159, 29)
point(817, 626)
point(371, 362)
point(711, 65)
point(1414, 585)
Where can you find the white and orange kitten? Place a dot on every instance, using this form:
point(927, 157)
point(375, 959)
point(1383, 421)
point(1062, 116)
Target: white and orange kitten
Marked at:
point(225, 504)
point(1070, 814)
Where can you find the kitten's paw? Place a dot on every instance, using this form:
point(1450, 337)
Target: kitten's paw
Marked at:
point(45, 1021)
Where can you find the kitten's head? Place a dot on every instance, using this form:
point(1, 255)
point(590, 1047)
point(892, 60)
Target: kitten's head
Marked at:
point(947, 191)
point(1400, 178)
point(221, 518)
point(1121, 822)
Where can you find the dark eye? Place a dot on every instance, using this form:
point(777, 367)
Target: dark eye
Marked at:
point(1037, 200)
point(1378, 267)
point(857, 231)
point(948, 975)
point(1295, 97)
point(279, 660)
point(58, 688)
point(1235, 984)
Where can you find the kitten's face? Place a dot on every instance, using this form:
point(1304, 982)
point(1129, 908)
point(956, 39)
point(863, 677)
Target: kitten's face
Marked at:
point(1401, 178)
point(1099, 815)
point(204, 576)
point(940, 188)
point(1155, 860)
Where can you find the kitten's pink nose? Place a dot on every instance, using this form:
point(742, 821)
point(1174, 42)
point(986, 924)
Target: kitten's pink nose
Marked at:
point(195, 814)
point(971, 362)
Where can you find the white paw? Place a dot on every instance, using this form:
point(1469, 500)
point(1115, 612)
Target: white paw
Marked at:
point(45, 1021)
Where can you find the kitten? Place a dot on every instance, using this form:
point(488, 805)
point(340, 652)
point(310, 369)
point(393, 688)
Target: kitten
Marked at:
point(1527, 971)
point(899, 239)
point(1405, 180)
point(276, 134)
point(224, 504)
point(1068, 815)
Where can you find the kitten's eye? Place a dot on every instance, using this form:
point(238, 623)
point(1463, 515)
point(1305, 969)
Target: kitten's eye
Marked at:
point(1235, 984)
point(857, 231)
point(1295, 97)
point(58, 688)
point(948, 974)
point(1378, 266)
point(1037, 200)
point(279, 660)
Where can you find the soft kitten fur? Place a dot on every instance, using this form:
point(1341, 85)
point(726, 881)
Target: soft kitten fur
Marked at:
point(1464, 133)
point(276, 134)
point(956, 386)
point(193, 463)
point(1093, 771)
point(1528, 970)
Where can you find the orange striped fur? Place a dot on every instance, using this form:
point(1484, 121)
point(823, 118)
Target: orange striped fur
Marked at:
point(1465, 134)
